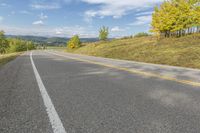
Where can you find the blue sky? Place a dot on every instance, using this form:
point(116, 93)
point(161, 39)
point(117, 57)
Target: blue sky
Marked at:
point(66, 18)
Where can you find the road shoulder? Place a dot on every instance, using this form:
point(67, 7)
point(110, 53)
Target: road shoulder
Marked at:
point(177, 74)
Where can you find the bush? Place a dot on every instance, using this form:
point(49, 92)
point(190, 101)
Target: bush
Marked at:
point(30, 45)
point(103, 33)
point(17, 45)
point(142, 34)
point(127, 37)
point(74, 42)
point(3, 43)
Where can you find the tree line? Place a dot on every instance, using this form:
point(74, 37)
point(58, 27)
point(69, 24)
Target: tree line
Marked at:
point(176, 18)
point(9, 45)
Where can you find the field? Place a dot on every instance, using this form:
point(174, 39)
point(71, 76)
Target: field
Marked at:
point(184, 51)
point(7, 57)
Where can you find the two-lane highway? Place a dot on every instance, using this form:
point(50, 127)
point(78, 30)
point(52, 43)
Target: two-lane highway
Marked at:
point(48, 93)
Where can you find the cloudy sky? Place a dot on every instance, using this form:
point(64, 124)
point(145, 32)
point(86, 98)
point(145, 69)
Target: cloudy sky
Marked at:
point(68, 17)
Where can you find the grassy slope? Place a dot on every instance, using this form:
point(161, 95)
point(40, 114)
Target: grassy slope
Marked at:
point(183, 51)
point(7, 57)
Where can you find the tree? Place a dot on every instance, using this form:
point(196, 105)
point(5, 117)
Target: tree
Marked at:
point(197, 16)
point(74, 42)
point(164, 19)
point(103, 33)
point(3, 43)
point(30, 45)
point(17, 45)
point(176, 18)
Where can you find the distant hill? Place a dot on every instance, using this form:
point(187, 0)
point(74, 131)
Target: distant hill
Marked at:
point(51, 41)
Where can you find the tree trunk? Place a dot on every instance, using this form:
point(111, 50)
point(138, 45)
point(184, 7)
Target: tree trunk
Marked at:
point(198, 29)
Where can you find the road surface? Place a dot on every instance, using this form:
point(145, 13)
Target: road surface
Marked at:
point(53, 92)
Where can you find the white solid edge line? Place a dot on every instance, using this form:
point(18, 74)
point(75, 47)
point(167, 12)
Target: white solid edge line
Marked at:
point(55, 121)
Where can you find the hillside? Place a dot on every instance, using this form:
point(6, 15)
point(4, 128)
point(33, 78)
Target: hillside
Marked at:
point(184, 51)
point(50, 41)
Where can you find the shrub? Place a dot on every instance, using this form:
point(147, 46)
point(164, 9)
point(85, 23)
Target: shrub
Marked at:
point(74, 42)
point(103, 33)
point(3, 43)
point(141, 34)
point(17, 45)
point(127, 37)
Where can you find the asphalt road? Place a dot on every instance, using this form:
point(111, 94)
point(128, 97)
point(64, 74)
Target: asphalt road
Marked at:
point(65, 95)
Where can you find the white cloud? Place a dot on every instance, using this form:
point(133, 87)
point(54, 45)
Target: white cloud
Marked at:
point(74, 30)
point(89, 15)
point(4, 5)
point(142, 20)
point(25, 12)
point(49, 4)
point(117, 29)
point(1, 18)
point(83, 32)
point(10, 30)
point(117, 8)
point(144, 13)
point(13, 12)
point(39, 22)
point(46, 6)
point(42, 16)
point(59, 33)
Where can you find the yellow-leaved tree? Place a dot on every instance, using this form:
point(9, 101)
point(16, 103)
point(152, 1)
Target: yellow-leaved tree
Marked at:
point(176, 18)
point(74, 42)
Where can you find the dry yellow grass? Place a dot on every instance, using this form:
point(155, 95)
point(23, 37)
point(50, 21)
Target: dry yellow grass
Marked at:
point(7, 57)
point(183, 51)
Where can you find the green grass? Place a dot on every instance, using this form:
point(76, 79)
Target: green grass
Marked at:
point(5, 58)
point(183, 51)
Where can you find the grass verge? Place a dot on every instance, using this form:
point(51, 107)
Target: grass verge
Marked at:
point(183, 51)
point(5, 58)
